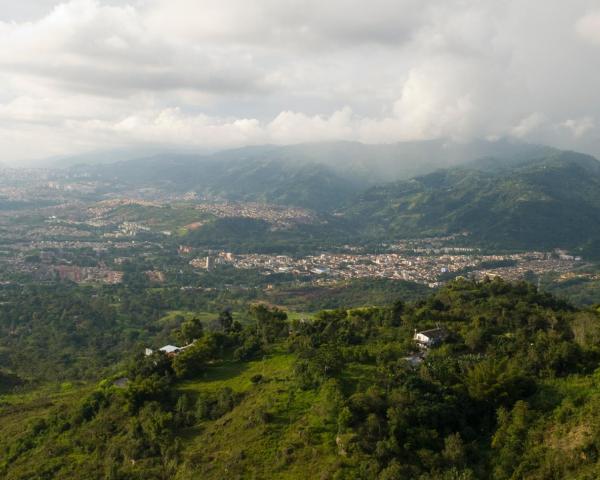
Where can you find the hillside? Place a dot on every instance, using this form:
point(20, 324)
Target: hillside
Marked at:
point(320, 176)
point(510, 393)
point(312, 186)
point(542, 203)
point(526, 197)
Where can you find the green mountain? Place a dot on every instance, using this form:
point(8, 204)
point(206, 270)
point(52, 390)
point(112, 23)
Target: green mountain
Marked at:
point(512, 391)
point(544, 202)
point(308, 185)
point(321, 176)
point(369, 164)
point(510, 196)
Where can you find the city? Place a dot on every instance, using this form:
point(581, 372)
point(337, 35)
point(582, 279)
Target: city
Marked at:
point(427, 268)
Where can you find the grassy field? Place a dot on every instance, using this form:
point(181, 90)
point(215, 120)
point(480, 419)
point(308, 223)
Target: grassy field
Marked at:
point(19, 410)
point(288, 432)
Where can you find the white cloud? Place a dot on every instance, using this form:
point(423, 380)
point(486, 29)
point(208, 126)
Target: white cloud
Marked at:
point(299, 24)
point(85, 74)
point(579, 126)
point(528, 125)
point(588, 27)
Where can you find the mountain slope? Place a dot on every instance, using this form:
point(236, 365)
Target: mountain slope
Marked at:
point(307, 185)
point(322, 176)
point(544, 202)
point(512, 392)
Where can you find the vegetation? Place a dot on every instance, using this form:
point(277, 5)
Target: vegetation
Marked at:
point(542, 203)
point(511, 393)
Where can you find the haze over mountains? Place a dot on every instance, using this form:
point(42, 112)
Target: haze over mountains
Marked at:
point(322, 176)
point(358, 162)
point(506, 194)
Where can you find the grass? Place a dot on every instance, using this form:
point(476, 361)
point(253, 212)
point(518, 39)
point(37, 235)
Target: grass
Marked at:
point(237, 375)
point(19, 410)
point(292, 315)
point(204, 316)
point(287, 432)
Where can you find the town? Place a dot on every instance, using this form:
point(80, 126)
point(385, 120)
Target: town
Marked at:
point(61, 225)
point(426, 268)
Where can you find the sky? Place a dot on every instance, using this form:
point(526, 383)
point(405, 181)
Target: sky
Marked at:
point(91, 75)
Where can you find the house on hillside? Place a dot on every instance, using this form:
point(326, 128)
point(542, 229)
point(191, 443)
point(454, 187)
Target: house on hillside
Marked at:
point(430, 338)
point(170, 350)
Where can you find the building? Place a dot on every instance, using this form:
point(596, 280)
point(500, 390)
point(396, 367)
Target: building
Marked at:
point(209, 263)
point(170, 349)
point(430, 338)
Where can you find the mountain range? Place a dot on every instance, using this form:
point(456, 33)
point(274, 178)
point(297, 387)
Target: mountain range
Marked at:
point(321, 176)
point(504, 194)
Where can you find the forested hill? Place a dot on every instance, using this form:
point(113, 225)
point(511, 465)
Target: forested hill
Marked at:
point(540, 203)
point(321, 176)
point(310, 185)
point(512, 392)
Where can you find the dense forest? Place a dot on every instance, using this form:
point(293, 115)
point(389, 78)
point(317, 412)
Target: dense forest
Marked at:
point(510, 392)
point(540, 203)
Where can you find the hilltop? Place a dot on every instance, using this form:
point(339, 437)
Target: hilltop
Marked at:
point(342, 395)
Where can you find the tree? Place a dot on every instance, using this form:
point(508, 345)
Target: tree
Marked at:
point(192, 360)
point(454, 449)
point(497, 382)
point(270, 323)
point(510, 437)
point(396, 313)
point(191, 330)
point(226, 320)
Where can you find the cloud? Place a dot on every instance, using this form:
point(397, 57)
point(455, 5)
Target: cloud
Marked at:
point(579, 126)
point(301, 24)
point(101, 49)
point(588, 27)
point(528, 125)
point(80, 75)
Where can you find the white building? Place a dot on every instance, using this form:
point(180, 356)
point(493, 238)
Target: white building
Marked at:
point(430, 338)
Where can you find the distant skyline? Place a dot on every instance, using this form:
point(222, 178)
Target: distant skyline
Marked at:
point(88, 75)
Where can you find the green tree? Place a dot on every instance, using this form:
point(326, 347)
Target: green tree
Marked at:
point(191, 330)
point(226, 320)
point(192, 361)
point(497, 382)
point(510, 438)
point(270, 323)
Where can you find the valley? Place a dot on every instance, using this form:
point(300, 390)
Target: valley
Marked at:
point(298, 315)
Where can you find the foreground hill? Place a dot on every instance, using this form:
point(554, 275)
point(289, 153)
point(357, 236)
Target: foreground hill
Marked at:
point(543, 202)
point(511, 393)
